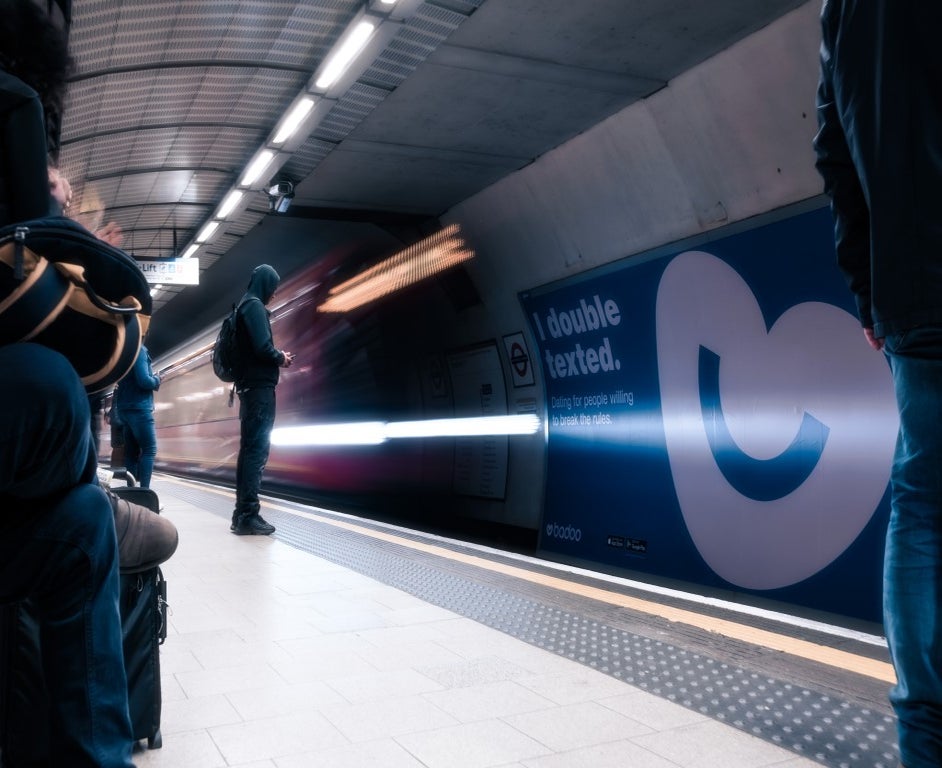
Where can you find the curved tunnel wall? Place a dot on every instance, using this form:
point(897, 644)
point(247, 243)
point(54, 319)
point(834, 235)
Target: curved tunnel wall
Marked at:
point(723, 152)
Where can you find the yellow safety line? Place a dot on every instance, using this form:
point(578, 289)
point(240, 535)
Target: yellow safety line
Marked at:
point(851, 662)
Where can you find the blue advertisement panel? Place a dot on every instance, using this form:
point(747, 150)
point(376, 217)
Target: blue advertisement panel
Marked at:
point(715, 415)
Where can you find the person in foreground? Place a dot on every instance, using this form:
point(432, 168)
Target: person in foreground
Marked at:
point(58, 548)
point(879, 150)
point(256, 378)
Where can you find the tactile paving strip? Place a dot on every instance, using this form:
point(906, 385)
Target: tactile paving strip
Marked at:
point(814, 725)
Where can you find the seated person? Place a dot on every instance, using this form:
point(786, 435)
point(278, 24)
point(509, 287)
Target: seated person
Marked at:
point(58, 549)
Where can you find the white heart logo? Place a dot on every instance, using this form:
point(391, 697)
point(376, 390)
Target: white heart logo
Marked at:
point(780, 477)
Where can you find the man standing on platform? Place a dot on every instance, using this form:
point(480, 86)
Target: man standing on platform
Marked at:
point(879, 150)
point(256, 378)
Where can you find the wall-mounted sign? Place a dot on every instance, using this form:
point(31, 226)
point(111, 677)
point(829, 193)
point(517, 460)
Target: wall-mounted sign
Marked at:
point(715, 415)
point(172, 271)
point(520, 365)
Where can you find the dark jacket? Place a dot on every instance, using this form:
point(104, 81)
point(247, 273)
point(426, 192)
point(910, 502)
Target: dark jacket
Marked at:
point(24, 177)
point(259, 360)
point(45, 442)
point(135, 391)
point(879, 149)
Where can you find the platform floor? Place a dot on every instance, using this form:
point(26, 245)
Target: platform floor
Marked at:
point(343, 643)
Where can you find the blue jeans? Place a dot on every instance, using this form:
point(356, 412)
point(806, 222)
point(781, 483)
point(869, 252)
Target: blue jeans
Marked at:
point(256, 417)
point(140, 444)
point(64, 558)
point(912, 577)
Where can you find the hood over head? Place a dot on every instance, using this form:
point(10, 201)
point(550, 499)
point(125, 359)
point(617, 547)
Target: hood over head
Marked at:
point(45, 436)
point(263, 282)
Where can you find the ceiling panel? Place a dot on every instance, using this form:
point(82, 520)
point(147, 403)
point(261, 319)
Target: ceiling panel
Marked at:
point(171, 99)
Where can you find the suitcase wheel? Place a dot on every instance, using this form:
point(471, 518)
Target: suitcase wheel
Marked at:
point(155, 742)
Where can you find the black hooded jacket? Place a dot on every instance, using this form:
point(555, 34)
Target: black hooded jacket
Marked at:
point(259, 360)
point(24, 181)
point(879, 149)
point(45, 443)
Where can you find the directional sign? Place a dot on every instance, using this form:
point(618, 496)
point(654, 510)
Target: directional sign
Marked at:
point(172, 271)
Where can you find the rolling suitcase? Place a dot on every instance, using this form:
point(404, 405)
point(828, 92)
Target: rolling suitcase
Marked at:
point(146, 497)
point(24, 703)
point(144, 625)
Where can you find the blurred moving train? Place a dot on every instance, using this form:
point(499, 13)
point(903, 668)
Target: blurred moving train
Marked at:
point(351, 368)
point(658, 300)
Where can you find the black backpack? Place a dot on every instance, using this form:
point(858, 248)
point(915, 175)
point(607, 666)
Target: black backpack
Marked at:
point(226, 347)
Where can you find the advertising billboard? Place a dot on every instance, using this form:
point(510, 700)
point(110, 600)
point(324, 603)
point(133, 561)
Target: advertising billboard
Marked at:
point(715, 415)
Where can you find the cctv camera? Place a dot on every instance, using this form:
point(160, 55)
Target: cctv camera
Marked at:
point(281, 189)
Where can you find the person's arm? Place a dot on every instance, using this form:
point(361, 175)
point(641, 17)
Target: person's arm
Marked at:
point(143, 375)
point(258, 330)
point(842, 185)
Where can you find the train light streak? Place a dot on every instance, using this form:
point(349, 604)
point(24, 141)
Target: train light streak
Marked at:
point(468, 427)
point(377, 432)
point(430, 256)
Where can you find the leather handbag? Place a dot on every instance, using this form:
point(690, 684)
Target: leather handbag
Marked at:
point(62, 287)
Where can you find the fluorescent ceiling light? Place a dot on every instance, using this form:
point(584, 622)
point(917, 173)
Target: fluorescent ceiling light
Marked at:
point(207, 232)
point(346, 53)
point(258, 165)
point(231, 201)
point(190, 251)
point(293, 120)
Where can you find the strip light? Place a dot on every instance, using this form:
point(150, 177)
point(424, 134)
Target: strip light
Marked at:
point(293, 120)
point(346, 53)
point(207, 231)
point(377, 432)
point(259, 164)
point(229, 204)
point(435, 254)
point(351, 44)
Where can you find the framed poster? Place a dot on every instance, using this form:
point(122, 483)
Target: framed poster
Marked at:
point(478, 384)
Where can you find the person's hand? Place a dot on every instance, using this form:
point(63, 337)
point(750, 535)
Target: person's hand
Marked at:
point(60, 189)
point(872, 340)
point(289, 358)
point(111, 233)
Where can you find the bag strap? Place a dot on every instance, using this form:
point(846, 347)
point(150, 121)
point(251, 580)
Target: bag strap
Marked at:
point(19, 238)
point(48, 290)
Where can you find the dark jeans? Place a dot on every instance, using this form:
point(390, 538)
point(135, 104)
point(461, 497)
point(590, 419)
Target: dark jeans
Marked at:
point(257, 417)
point(912, 579)
point(140, 444)
point(64, 557)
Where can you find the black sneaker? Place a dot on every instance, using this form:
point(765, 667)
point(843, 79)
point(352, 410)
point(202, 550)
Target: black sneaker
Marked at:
point(252, 525)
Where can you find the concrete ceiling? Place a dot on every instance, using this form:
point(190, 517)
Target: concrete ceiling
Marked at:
point(171, 99)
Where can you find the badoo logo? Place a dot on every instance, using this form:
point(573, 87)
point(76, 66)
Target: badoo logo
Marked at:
point(563, 532)
point(780, 436)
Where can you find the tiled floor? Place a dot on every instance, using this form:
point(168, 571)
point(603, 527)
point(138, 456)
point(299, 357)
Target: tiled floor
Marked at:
point(279, 658)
